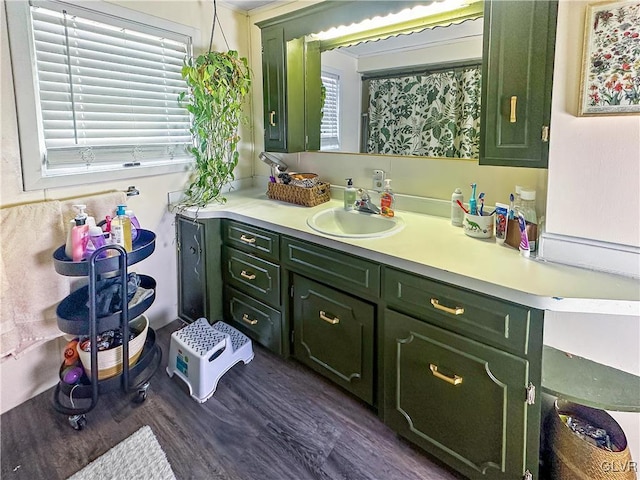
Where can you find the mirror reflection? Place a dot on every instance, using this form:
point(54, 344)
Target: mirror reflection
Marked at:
point(412, 94)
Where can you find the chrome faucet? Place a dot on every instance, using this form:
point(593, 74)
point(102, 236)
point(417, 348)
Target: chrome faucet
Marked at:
point(364, 203)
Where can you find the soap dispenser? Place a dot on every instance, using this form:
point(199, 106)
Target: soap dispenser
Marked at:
point(349, 195)
point(387, 200)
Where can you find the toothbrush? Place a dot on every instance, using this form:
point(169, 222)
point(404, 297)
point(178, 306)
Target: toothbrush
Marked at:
point(462, 206)
point(472, 201)
point(481, 198)
point(512, 213)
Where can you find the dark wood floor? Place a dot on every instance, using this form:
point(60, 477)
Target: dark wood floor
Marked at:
point(270, 419)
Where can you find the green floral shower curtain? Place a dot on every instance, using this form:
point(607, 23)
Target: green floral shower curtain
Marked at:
point(434, 115)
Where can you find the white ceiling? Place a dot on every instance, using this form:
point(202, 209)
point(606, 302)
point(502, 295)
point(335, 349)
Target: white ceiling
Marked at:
point(248, 5)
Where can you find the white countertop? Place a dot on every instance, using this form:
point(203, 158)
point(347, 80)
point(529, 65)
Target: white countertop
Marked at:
point(431, 246)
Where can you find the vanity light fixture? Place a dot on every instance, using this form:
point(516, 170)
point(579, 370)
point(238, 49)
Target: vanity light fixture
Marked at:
point(420, 11)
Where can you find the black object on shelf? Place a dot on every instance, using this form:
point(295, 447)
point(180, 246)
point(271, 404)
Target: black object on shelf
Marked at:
point(73, 312)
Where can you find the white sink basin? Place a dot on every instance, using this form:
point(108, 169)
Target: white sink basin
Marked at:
point(341, 223)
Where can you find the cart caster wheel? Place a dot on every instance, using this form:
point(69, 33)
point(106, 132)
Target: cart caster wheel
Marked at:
point(142, 393)
point(78, 422)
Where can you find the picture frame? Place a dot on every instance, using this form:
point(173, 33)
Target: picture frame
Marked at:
point(611, 59)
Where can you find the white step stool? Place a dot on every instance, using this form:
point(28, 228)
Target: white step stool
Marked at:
point(201, 353)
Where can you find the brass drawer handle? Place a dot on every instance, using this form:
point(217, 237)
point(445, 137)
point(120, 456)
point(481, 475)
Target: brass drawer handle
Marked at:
point(456, 380)
point(272, 115)
point(246, 239)
point(248, 276)
point(514, 103)
point(452, 311)
point(332, 321)
point(250, 321)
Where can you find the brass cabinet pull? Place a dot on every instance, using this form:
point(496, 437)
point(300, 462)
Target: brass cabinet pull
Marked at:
point(250, 321)
point(272, 115)
point(455, 380)
point(332, 321)
point(246, 239)
point(453, 311)
point(248, 276)
point(514, 101)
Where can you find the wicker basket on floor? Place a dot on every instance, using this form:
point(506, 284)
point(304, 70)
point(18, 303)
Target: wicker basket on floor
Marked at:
point(309, 197)
point(573, 458)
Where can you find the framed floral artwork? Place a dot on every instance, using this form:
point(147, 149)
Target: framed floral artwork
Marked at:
point(611, 59)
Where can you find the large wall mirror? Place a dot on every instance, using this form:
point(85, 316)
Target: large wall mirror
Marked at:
point(405, 89)
point(410, 94)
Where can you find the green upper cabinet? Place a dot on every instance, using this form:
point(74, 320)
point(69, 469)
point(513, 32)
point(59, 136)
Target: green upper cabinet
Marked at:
point(517, 70)
point(287, 70)
point(273, 81)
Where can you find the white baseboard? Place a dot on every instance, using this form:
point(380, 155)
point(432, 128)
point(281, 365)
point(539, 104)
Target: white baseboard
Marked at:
point(591, 254)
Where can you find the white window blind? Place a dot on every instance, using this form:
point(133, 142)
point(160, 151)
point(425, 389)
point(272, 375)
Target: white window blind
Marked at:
point(330, 125)
point(108, 89)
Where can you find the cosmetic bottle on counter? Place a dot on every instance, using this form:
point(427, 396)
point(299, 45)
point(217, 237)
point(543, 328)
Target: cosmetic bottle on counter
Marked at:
point(387, 200)
point(457, 214)
point(349, 195)
point(528, 210)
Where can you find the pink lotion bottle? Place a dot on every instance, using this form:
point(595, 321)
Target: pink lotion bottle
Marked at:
point(79, 238)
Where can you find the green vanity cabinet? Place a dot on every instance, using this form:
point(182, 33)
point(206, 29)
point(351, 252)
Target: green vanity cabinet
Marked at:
point(333, 309)
point(462, 401)
point(333, 333)
point(252, 292)
point(461, 372)
point(199, 279)
point(517, 75)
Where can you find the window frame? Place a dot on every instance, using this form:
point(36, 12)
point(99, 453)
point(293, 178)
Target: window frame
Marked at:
point(24, 69)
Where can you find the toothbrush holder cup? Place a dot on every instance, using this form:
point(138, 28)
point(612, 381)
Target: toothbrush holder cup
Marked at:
point(478, 226)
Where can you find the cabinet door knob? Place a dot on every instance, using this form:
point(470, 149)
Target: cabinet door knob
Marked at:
point(250, 321)
point(455, 380)
point(246, 239)
point(332, 321)
point(248, 276)
point(272, 115)
point(514, 102)
point(453, 311)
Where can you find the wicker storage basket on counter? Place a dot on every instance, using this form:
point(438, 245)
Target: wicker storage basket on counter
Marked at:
point(573, 458)
point(309, 197)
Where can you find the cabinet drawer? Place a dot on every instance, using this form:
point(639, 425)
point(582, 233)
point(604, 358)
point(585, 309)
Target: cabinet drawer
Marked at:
point(252, 275)
point(477, 316)
point(342, 271)
point(460, 400)
point(333, 334)
point(255, 319)
point(251, 239)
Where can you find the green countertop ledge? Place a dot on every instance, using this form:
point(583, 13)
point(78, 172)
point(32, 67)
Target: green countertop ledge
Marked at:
point(589, 383)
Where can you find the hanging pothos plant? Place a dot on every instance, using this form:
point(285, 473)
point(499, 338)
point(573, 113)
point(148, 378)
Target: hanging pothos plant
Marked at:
point(218, 84)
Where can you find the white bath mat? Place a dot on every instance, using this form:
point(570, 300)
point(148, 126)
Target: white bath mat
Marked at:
point(138, 456)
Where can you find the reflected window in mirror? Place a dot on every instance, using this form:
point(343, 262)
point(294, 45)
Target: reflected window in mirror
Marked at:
point(434, 49)
point(330, 122)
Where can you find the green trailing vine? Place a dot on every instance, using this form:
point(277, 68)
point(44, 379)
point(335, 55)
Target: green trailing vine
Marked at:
point(218, 84)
